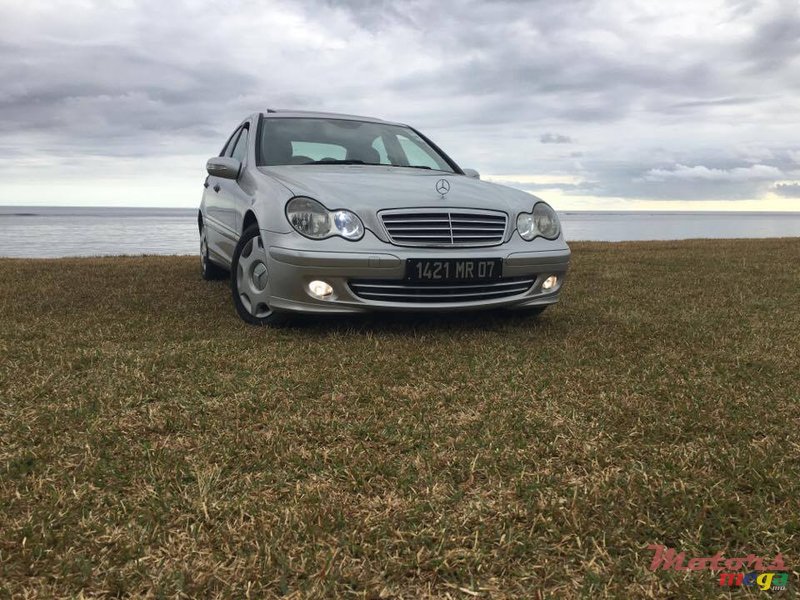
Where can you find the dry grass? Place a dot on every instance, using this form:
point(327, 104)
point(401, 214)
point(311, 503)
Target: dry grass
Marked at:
point(153, 445)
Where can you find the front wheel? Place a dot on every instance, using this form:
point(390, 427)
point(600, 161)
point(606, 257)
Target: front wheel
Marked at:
point(250, 283)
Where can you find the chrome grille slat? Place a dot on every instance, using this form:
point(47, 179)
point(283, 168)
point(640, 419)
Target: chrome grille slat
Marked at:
point(461, 219)
point(399, 221)
point(460, 223)
point(467, 235)
point(492, 229)
point(457, 227)
point(407, 228)
point(389, 290)
point(421, 236)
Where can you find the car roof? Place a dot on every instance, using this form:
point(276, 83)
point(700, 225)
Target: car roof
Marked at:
point(274, 113)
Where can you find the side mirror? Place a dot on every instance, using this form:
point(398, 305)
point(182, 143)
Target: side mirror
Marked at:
point(472, 173)
point(223, 166)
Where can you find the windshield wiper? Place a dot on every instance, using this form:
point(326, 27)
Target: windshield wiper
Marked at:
point(352, 161)
point(407, 166)
point(337, 162)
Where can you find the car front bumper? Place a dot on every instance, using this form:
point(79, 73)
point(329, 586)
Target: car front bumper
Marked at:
point(292, 266)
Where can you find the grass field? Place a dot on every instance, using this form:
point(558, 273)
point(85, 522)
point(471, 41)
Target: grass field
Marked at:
point(151, 444)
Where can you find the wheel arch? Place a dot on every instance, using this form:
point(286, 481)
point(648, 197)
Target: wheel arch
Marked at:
point(249, 219)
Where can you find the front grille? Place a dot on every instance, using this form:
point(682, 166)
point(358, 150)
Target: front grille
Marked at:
point(431, 227)
point(394, 290)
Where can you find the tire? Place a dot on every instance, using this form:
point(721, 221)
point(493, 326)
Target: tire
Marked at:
point(208, 270)
point(250, 286)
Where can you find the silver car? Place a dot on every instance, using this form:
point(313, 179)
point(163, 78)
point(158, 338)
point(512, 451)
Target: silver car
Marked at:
point(338, 214)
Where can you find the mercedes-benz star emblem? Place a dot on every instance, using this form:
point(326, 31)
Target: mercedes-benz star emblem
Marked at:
point(442, 186)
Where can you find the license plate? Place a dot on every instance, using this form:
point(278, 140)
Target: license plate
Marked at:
point(454, 269)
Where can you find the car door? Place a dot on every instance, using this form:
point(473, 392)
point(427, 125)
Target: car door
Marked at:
point(219, 232)
point(225, 196)
point(233, 198)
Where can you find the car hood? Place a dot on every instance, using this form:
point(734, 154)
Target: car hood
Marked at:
point(369, 189)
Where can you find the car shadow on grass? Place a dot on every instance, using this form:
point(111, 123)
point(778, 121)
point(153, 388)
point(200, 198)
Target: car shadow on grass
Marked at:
point(403, 322)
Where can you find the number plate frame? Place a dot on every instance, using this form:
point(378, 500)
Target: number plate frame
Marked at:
point(453, 270)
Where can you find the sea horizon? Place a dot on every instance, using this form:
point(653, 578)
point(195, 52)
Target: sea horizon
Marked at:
point(33, 209)
point(62, 231)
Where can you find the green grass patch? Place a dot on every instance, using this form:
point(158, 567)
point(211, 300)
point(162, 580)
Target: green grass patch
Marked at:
point(151, 444)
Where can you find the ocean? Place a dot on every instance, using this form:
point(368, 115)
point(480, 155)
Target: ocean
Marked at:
point(47, 232)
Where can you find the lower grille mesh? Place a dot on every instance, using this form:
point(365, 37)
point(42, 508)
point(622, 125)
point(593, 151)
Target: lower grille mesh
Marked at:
point(394, 290)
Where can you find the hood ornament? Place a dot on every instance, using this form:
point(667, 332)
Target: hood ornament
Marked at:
point(442, 186)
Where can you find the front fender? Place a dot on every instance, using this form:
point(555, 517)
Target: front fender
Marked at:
point(268, 204)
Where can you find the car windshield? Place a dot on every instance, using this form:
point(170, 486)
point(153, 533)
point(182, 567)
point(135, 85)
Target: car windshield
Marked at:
point(314, 141)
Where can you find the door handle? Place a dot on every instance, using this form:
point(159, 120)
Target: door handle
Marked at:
point(216, 187)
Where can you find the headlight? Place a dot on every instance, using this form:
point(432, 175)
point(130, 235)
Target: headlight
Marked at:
point(309, 217)
point(526, 226)
point(313, 220)
point(347, 224)
point(543, 222)
point(546, 221)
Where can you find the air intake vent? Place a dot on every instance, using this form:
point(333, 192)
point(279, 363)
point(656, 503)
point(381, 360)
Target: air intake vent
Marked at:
point(461, 227)
point(424, 293)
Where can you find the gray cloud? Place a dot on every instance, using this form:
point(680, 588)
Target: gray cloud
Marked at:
point(555, 138)
point(775, 41)
point(788, 190)
point(678, 101)
point(702, 173)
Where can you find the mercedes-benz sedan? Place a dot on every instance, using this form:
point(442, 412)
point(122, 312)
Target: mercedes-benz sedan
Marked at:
point(329, 213)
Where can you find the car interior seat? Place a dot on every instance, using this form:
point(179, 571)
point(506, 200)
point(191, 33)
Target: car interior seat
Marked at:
point(366, 154)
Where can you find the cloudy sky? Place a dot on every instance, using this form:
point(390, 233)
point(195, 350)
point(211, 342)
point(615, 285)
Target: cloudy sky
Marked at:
point(586, 103)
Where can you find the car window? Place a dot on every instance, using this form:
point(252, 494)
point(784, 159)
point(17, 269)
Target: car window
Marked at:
point(312, 140)
point(228, 147)
point(318, 151)
point(380, 147)
point(417, 156)
point(240, 149)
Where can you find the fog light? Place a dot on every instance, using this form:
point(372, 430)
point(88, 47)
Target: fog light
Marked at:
point(550, 282)
point(320, 289)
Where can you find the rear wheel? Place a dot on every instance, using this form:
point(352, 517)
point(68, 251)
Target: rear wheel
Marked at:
point(250, 283)
point(208, 269)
